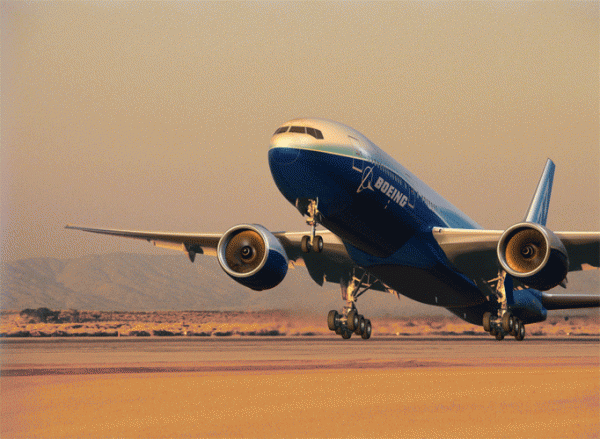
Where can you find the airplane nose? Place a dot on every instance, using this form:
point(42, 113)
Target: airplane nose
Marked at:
point(283, 156)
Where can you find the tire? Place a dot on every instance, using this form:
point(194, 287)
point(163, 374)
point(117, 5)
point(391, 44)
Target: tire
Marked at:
point(487, 321)
point(339, 330)
point(318, 244)
point(499, 335)
point(332, 318)
point(346, 334)
point(493, 331)
point(352, 320)
point(512, 324)
point(507, 322)
point(361, 326)
point(521, 334)
point(367, 332)
point(305, 244)
point(516, 328)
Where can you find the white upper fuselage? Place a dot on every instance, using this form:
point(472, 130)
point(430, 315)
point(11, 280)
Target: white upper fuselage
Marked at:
point(339, 139)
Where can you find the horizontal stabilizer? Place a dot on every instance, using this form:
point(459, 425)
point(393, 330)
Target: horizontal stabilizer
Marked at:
point(569, 301)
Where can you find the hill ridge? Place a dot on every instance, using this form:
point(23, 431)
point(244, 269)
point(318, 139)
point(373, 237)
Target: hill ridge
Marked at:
point(145, 282)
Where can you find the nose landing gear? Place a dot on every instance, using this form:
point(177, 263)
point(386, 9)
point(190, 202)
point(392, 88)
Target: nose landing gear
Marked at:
point(313, 242)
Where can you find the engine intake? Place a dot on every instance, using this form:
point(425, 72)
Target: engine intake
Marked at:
point(532, 253)
point(252, 256)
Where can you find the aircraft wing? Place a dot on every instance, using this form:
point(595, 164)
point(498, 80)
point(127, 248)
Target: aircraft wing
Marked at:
point(474, 251)
point(330, 265)
point(201, 243)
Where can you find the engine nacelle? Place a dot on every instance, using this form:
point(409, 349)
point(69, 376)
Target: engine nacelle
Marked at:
point(534, 255)
point(252, 256)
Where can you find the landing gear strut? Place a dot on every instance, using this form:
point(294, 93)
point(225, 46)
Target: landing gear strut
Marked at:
point(313, 242)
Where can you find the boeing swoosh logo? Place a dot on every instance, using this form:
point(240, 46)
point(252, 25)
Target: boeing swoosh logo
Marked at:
point(366, 180)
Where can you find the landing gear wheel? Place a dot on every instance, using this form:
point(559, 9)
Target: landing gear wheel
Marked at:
point(507, 322)
point(361, 326)
point(499, 335)
point(521, 334)
point(352, 320)
point(493, 331)
point(305, 244)
point(318, 244)
point(366, 334)
point(486, 321)
point(332, 319)
point(513, 331)
point(339, 330)
point(346, 334)
point(516, 327)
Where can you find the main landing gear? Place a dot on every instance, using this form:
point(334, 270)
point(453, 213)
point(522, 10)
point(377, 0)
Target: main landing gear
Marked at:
point(508, 324)
point(350, 321)
point(504, 323)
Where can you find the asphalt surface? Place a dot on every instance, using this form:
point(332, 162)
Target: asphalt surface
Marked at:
point(299, 387)
point(156, 354)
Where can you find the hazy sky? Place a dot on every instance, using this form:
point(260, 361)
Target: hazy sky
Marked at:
point(158, 116)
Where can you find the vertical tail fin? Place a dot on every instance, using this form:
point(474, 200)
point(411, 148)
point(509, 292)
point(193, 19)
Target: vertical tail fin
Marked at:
point(538, 209)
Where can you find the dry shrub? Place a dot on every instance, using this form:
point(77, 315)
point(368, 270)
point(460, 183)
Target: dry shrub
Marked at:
point(28, 323)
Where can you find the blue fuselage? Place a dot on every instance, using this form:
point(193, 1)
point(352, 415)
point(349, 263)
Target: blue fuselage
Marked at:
point(383, 214)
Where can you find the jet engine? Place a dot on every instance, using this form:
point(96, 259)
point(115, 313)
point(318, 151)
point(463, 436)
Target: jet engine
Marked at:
point(533, 254)
point(252, 256)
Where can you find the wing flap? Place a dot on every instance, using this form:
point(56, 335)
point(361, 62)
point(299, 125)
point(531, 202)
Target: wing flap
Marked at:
point(569, 301)
point(583, 248)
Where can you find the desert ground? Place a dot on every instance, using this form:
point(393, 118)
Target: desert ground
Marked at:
point(73, 374)
point(462, 387)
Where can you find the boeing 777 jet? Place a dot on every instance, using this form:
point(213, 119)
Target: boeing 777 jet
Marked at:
point(386, 230)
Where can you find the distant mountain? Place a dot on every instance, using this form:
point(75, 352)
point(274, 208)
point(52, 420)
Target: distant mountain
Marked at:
point(139, 282)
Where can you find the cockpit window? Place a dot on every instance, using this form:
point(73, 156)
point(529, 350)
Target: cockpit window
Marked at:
point(281, 130)
point(317, 134)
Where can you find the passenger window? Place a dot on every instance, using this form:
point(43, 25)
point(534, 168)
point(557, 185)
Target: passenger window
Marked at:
point(298, 130)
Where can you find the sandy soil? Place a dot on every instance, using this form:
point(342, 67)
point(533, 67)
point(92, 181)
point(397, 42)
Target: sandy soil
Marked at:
point(294, 387)
point(531, 402)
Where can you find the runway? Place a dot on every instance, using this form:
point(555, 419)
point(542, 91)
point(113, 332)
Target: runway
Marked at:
point(300, 387)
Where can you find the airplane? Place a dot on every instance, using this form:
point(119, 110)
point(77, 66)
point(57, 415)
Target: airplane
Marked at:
point(385, 230)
